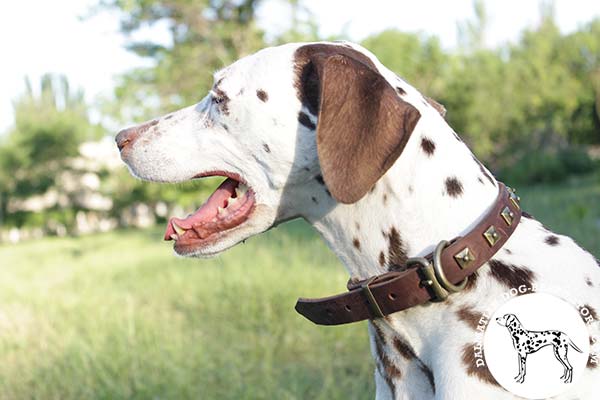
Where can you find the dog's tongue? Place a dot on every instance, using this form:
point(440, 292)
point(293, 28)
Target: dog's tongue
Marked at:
point(208, 211)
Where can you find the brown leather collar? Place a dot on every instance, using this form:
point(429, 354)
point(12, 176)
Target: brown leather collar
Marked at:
point(423, 279)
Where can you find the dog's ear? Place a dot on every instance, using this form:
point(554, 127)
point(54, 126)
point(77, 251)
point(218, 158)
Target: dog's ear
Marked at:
point(362, 128)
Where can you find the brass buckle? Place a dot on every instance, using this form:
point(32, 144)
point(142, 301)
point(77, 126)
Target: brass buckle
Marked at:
point(434, 276)
point(375, 309)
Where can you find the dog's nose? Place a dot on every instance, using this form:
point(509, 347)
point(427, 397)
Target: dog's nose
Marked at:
point(128, 136)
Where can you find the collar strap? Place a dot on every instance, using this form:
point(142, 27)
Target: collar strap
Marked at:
point(431, 278)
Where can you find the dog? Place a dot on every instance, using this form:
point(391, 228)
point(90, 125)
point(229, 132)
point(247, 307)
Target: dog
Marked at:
point(323, 131)
point(527, 342)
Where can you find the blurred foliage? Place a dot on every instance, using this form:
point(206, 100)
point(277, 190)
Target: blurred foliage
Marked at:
point(50, 124)
point(203, 36)
point(528, 109)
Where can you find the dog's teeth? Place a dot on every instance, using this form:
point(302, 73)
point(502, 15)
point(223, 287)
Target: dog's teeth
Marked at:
point(180, 231)
point(221, 211)
point(241, 190)
point(174, 236)
point(231, 201)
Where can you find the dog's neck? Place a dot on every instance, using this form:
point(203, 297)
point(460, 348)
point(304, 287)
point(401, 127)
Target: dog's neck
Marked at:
point(435, 191)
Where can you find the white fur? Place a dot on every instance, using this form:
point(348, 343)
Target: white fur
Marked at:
point(194, 140)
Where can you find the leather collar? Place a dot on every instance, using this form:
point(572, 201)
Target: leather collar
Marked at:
point(422, 279)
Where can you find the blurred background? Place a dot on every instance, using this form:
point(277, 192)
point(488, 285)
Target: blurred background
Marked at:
point(94, 305)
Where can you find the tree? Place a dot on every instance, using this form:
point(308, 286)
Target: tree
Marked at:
point(48, 129)
point(203, 36)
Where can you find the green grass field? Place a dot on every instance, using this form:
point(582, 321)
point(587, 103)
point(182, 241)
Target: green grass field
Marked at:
point(116, 316)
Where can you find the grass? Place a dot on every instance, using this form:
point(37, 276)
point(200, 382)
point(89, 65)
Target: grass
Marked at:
point(116, 316)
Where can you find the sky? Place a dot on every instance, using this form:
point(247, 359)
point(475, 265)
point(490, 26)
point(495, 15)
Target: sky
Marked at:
point(38, 36)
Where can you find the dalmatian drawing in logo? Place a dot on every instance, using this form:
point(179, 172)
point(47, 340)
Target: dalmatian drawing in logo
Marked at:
point(527, 342)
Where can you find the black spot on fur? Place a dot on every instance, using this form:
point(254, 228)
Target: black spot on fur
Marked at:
point(526, 215)
point(511, 275)
point(169, 116)
point(400, 91)
point(480, 180)
point(225, 127)
point(428, 146)
point(319, 178)
point(262, 95)
point(304, 119)
point(266, 147)
point(453, 187)
point(551, 240)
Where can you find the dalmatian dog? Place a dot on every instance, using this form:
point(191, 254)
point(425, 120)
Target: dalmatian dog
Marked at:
point(527, 342)
point(325, 132)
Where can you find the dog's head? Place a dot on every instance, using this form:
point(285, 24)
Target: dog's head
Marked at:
point(508, 320)
point(273, 124)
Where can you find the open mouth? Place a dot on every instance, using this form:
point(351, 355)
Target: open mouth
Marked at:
point(227, 208)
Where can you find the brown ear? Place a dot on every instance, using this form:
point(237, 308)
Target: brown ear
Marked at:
point(362, 127)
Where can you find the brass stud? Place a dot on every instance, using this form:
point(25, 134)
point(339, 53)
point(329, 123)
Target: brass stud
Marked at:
point(491, 235)
point(507, 215)
point(515, 199)
point(464, 258)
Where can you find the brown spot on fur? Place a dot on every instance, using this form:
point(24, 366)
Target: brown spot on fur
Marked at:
point(591, 364)
point(385, 199)
point(551, 240)
point(453, 187)
point(262, 95)
point(472, 282)
point(469, 360)
point(483, 170)
point(396, 251)
point(356, 243)
point(428, 146)
point(592, 311)
point(511, 275)
point(389, 369)
point(437, 106)
point(469, 316)
point(266, 147)
point(381, 258)
point(304, 119)
point(221, 99)
point(404, 349)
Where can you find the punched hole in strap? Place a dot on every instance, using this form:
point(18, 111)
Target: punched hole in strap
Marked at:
point(375, 309)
